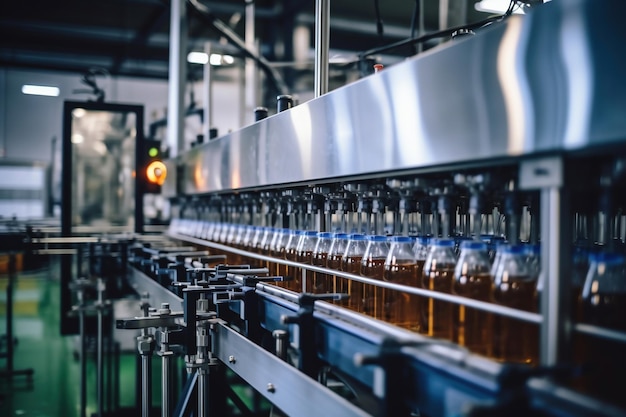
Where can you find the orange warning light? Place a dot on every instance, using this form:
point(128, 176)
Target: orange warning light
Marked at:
point(156, 172)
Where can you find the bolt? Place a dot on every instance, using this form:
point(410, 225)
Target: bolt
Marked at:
point(232, 359)
point(270, 387)
point(164, 310)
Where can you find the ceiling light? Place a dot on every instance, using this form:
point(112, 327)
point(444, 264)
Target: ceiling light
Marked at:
point(197, 58)
point(496, 6)
point(40, 90)
point(77, 138)
point(215, 59)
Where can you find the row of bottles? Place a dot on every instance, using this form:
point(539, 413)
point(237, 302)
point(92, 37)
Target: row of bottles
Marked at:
point(465, 267)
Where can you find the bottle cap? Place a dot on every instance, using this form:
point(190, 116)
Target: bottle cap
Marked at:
point(377, 238)
point(401, 239)
point(513, 249)
point(311, 233)
point(325, 235)
point(424, 240)
point(473, 245)
point(356, 236)
point(607, 258)
point(443, 243)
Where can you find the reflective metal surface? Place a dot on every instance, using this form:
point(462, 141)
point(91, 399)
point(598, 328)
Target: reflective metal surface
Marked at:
point(292, 391)
point(533, 84)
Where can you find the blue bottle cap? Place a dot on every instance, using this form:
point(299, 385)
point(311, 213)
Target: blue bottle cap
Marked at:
point(473, 245)
point(401, 239)
point(513, 249)
point(325, 235)
point(607, 258)
point(377, 238)
point(443, 243)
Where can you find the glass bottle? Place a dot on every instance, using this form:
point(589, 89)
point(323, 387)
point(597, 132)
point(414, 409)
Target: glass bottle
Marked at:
point(322, 283)
point(580, 268)
point(304, 251)
point(215, 232)
point(604, 292)
point(231, 240)
point(264, 246)
point(373, 266)
point(246, 243)
point(224, 232)
point(291, 254)
point(401, 267)
point(438, 275)
point(280, 252)
point(257, 238)
point(335, 253)
point(421, 247)
point(604, 305)
point(351, 263)
point(514, 286)
point(472, 279)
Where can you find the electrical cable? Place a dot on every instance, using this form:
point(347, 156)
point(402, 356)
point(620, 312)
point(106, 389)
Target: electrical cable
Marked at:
point(379, 21)
point(439, 34)
point(232, 37)
point(414, 19)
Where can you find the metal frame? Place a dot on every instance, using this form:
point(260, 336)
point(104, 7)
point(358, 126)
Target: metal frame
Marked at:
point(502, 97)
point(69, 325)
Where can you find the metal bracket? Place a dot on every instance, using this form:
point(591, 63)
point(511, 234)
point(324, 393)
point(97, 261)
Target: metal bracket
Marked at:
point(541, 173)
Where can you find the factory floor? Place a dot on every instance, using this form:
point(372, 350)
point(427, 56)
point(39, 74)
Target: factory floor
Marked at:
point(53, 389)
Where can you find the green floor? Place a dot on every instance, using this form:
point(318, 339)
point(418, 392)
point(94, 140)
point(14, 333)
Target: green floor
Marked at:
point(54, 388)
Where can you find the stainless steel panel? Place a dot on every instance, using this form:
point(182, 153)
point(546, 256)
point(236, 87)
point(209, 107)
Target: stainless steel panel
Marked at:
point(291, 390)
point(158, 294)
point(549, 81)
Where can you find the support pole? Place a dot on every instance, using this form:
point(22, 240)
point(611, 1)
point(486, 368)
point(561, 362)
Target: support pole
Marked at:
point(177, 77)
point(322, 45)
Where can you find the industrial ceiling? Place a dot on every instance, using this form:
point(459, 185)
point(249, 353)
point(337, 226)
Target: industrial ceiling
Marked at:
point(131, 37)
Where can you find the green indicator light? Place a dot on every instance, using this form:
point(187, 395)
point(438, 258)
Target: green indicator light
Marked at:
point(153, 152)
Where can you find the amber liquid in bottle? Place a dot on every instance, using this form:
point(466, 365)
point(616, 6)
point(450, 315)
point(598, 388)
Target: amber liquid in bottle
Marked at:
point(437, 315)
point(322, 283)
point(372, 299)
point(276, 268)
point(352, 265)
point(305, 258)
point(514, 340)
point(333, 261)
point(295, 283)
point(400, 308)
point(474, 328)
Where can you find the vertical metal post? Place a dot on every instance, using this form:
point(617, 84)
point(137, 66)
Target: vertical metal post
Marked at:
point(208, 94)
point(177, 77)
point(547, 175)
point(166, 385)
point(250, 66)
point(322, 45)
point(99, 349)
point(146, 388)
point(81, 352)
point(555, 262)
point(202, 393)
